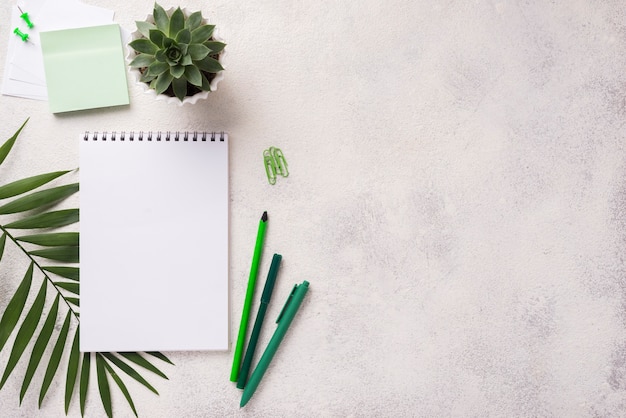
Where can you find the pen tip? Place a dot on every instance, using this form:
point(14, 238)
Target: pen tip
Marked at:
point(264, 217)
point(245, 397)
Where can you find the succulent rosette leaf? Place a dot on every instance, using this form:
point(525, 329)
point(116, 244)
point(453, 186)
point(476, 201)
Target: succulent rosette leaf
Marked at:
point(176, 53)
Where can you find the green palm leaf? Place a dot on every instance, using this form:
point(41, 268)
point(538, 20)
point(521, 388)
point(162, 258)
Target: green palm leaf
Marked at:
point(3, 240)
point(40, 346)
point(58, 239)
point(129, 371)
point(46, 220)
point(8, 145)
point(121, 385)
point(84, 381)
point(28, 184)
point(55, 358)
point(25, 332)
point(103, 385)
point(72, 371)
point(70, 287)
point(65, 254)
point(160, 356)
point(63, 249)
point(140, 361)
point(38, 199)
point(72, 273)
point(15, 307)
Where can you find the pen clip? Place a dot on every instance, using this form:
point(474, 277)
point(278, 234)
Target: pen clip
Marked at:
point(289, 299)
point(280, 161)
point(270, 166)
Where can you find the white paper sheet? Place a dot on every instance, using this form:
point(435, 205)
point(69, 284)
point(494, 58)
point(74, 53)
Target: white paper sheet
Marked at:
point(154, 245)
point(24, 72)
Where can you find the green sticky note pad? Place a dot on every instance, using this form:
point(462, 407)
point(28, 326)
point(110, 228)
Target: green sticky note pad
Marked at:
point(85, 68)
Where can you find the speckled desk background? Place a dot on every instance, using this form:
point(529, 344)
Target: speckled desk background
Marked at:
point(456, 198)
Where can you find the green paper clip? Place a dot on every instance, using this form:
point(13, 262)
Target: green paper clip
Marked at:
point(275, 164)
point(270, 166)
point(281, 163)
point(25, 17)
point(21, 34)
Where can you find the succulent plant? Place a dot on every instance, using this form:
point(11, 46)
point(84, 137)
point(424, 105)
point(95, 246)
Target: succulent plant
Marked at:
point(176, 54)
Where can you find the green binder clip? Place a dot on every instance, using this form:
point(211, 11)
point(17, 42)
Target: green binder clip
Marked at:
point(275, 164)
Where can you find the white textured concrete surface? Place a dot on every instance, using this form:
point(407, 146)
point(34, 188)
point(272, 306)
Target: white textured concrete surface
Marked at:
point(457, 200)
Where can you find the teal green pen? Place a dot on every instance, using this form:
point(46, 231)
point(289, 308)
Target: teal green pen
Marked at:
point(258, 322)
point(284, 320)
point(243, 326)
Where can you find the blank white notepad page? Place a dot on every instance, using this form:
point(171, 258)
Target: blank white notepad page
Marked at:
point(154, 242)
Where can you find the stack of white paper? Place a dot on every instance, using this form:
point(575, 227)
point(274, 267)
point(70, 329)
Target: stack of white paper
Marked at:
point(24, 70)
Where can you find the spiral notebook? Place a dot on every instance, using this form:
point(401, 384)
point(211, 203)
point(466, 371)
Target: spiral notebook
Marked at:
point(153, 241)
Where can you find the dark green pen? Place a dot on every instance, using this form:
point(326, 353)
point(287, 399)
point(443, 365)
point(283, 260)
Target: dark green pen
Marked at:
point(258, 322)
point(284, 320)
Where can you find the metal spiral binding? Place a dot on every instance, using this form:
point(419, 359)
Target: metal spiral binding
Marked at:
point(175, 136)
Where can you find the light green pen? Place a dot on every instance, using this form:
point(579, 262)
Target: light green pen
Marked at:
point(243, 327)
point(284, 320)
